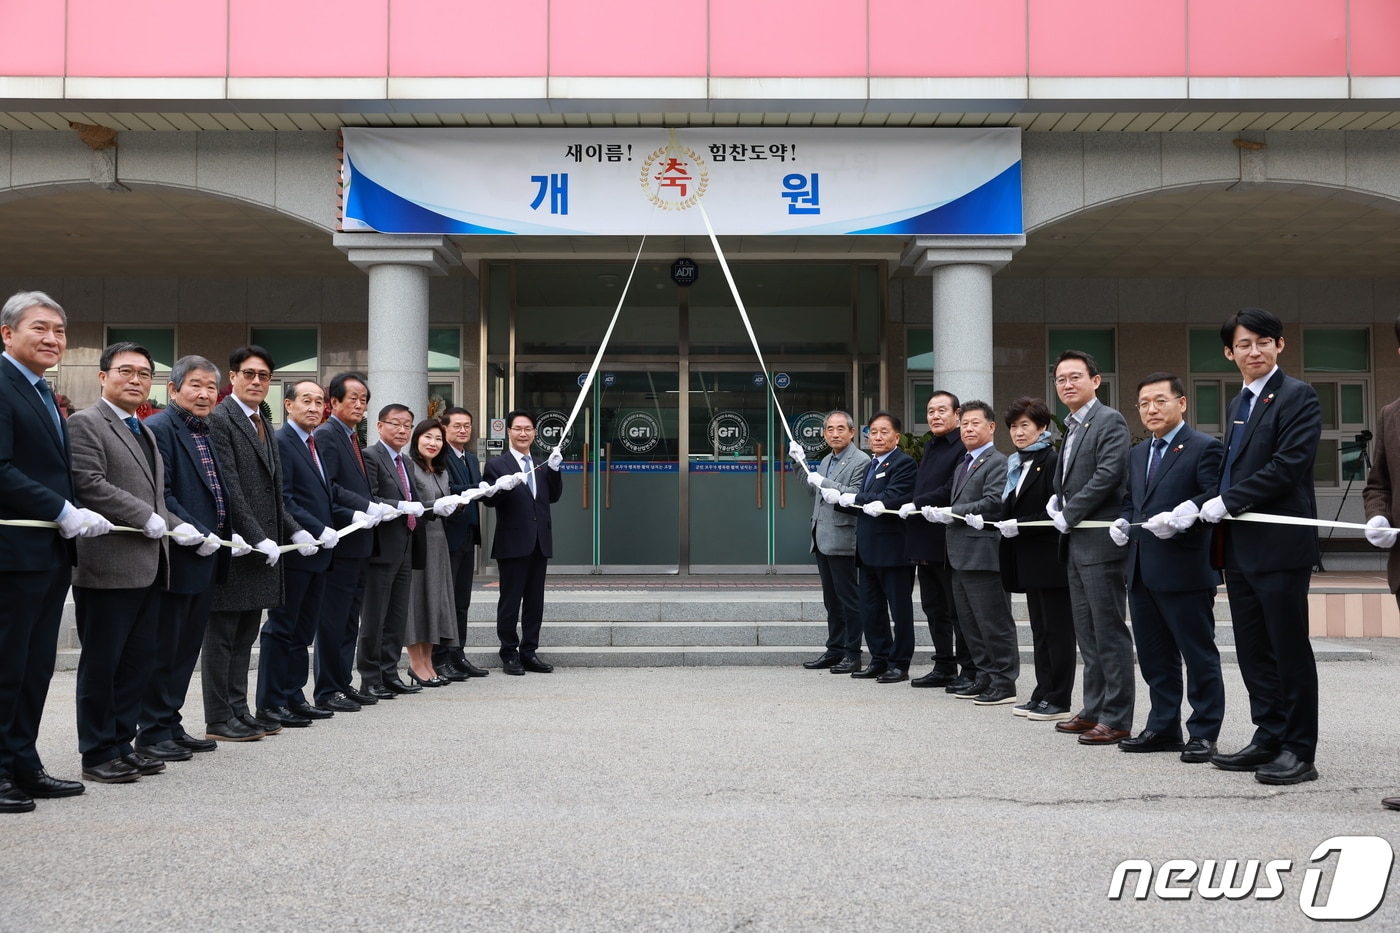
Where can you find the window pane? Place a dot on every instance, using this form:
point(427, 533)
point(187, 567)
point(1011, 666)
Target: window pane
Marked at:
point(1207, 355)
point(159, 340)
point(920, 350)
point(1327, 396)
point(1337, 351)
point(293, 351)
point(564, 308)
point(1353, 467)
point(1325, 467)
point(1207, 403)
point(444, 349)
point(795, 308)
point(1353, 404)
point(1097, 343)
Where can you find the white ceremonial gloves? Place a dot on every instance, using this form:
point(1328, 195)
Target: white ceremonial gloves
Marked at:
point(938, 513)
point(1054, 504)
point(486, 489)
point(1009, 528)
point(509, 481)
point(797, 452)
point(363, 519)
point(846, 500)
point(555, 459)
point(408, 507)
point(975, 522)
point(155, 526)
point(907, 509)
point(1057, 516)
point(1118, 531)
point(1161, 525)
point(209, 546)
point(1379, 532)
point(186, 535)
point(329, 538)
point(445, 506)
point(308, 543)
point(1214, 510)
point(268, 549)
point(831, 495)
point(873, 509)
point(1185, 515)
point(241, 548)
point(83, 523)
point(814, 480)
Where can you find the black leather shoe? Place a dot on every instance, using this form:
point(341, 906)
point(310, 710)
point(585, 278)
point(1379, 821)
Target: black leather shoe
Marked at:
point(194, 744)
point(990, 697)
point(265, 726)
point(934, 678)
point(892, 675)
point(233, 730)
point(973, 690)
point(115, 771)
point(1246, 759)
point(1391, 803)
point(828, 659)
point(1286, 768)
point(355, 696)
point(845, 666)
point(283, 716)
point(960, 685)
point(398, 686)
point(871, 671)
point(14, 800)
point(471, 670)
point(144, 764)
point(1149, 741)
point(452, 672)
point(306, 711)
point(1198, 751)
point(379, 692)
point(42, 784)
point(434, 681)
point(534, 664)
point(339, 703)
point(165, 751)
point(512, 666)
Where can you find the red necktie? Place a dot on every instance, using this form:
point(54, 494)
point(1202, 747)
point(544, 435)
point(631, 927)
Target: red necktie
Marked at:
point(359, 458)
point(311, 445)
point(403, 481)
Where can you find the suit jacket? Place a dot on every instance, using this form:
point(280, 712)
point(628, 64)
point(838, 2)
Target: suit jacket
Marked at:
point(1383, 480)
point(834, 532)
point(392, 538)
point(522, 521)
point(979, 493)
point(190, 498)
point(350, 489)
point(463, 526)
point(1090, 486)
point(880, 540)
point(1030, 561)
point(306, 496)
point(1272, 471)
point(254, 493)
point(1190, 469)
point(35, 477)
point(114, 477)
point(927, 541)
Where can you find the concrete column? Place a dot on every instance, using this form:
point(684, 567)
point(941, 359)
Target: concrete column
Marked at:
point(961, 269)
point(398, 268)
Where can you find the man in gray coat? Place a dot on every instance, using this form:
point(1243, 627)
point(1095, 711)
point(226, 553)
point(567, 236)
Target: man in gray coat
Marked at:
point(834, 541)
point(1089, 486)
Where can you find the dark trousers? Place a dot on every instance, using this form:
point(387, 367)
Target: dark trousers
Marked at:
point(950, 651)
point(288, 632)
point(223, 671)
point(463, 570)
point(30, 616)
point(887, 595)
point(1270, 615)
point(841, 596)
point(1171, 628)
point(388, 598)
point(338, 625)
point(1098, 594)
point(1052, 634)
point(180, 625)
point(118, 632)
point(984, 614)
point(522, 601)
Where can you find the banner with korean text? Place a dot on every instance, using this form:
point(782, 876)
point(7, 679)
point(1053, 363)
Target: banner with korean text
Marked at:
point(755, 181)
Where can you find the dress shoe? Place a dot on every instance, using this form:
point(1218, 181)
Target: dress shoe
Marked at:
point(471, 670)
point(452, 672)
point(1246, 759)
point(398, 686)
point(282, 716)
point(144, 764)
point(959, 684)
point(512, 666)
point(1049, 712)
point(232, 730)
point(845, 666)
point(115, 771)
point(265, 726)
point(42, 784)
point(378, 692)
point(1103, 734)
point(1074, 724)
point(12, 799)
point(871, 671)
point(994, 698)
point(307, 711)
point(194, 744)
point(934, 678)
point(1149, 741)
point(535, 664)
point(433, 681)
point(165, 751)
point(1391, 803)
point(339, 703)
point(973, 690)
point(1024, 709)
point(1286, 769)
point(892, 675)
point(828, 659)
point(1198, 751)
point(355, 696)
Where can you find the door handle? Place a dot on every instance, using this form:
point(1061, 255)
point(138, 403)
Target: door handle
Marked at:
point(607, 477)
point(585, 477)
point(782, 483)
point(759, 464)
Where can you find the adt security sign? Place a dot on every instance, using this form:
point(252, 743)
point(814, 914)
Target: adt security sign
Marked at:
point(684, 272)
point(582, 378)
point(782, 380)
point(758, 380)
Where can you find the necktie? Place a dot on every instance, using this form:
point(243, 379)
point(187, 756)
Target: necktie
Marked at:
point(1159, 445)
point(529, 475)
point(47, 394)
point(257, 426)
point(135, 424)
point(966, 468)
point(1236, 435)
point(359, 457)
point(407, 494)
point(311, 446)
point(870, 473)
point(1069, 444)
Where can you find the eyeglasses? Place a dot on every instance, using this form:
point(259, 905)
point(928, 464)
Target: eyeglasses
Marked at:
point(1070, 378)
point(255, 375)
point(401, 425)
point(522, 429)
point(1159, 402)
point(126, 372)
point(1263, 343)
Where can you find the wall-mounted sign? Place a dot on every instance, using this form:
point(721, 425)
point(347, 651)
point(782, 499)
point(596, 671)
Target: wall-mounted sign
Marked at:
point(684, 272)
point(498, 429)
point(728, 432)
point(549, 429)
point(639, 431)
point(781, 380)
point(807, 429)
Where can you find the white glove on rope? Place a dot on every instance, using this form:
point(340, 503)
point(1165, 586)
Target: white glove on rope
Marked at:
point(846, 500)
point(308, 543)
point(486, 489)
point(509, 481)
point(831, 495)
point(555, 459)
point(186, 535)
point(364, 519)
point(268, 549)
point(1118, 531)
point(1214, 510)
point(873, 509)
point(329, 538)
point(95, 525)
point(797, 452)
point(1008, 528)
point(1161, 525)
point(208, 545)
point(907, 509)
point(382, 512)
point(1185, 515)
point(975, 522)
point(1380, 533)
point(241, 548)
point(1057, 517)
point(941, 514)
point(445, 506)
point(930, 513)
point(814, 480)
point(155, 526)
point(410, 507)
point(1054, 504)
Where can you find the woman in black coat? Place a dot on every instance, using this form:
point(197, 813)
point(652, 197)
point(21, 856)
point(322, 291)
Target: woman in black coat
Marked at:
point(1030, 563)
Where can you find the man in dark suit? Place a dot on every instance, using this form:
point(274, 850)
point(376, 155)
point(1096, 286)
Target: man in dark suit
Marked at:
point(463, 530)
point(247, 453)
point(194, 495)
point(388, 588)
point(524, 542)
point(36, 564)
point(1275, 425)
point(925, 545)
point(291, 627)
point(1171, 585)
point(886, 576)
point(1093, 468)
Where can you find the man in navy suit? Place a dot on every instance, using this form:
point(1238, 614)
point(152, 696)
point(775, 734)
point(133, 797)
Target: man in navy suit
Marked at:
point(886, 576)
point(1171, 585)
point(463, 530)
point(194, 494)
point(35, 563)
point(1274, 428)
point(291, 627)
point(524, 542)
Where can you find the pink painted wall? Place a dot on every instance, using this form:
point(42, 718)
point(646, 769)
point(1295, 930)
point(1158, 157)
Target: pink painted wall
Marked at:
point(468, 38)
point(1375, 37)
point(308, 38)
point(947, 37)
point(626, 38)
point(769, 38)
point(1268, 37)
point(147, 38)
point(31, 37)
point(1107, 38)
